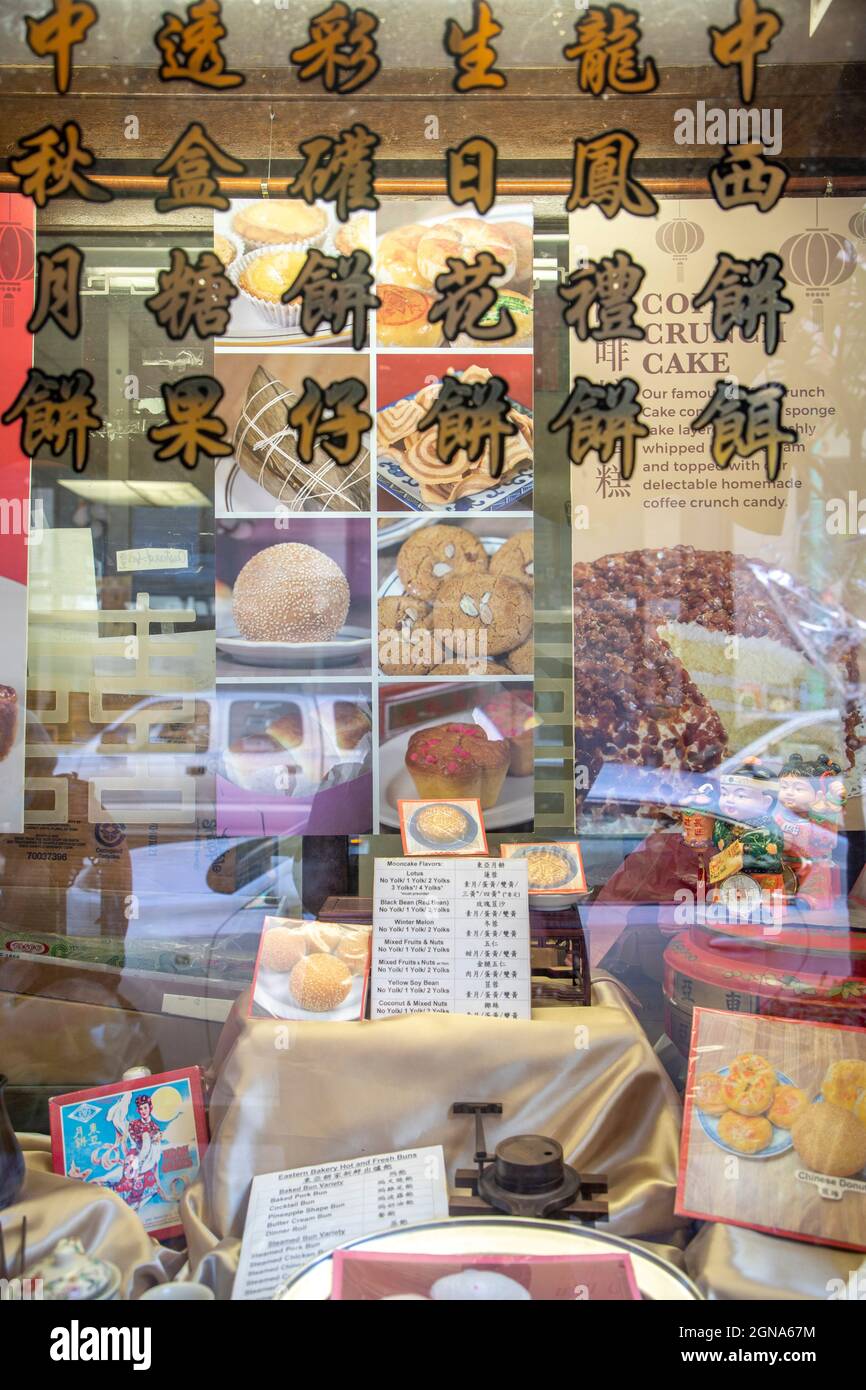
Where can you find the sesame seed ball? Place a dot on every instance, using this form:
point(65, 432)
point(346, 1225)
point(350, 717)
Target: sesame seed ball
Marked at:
point(320, 983)
point(282, 948)
point(290, 593)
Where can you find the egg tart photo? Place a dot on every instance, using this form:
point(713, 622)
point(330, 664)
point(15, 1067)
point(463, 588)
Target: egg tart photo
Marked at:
point(272, 222)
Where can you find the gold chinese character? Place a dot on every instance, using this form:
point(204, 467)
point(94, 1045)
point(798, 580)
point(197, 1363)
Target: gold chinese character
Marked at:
point(602, 175)
point(192, 428)
point(191, 162)
point(341, 50)
point(191, 51)
point(56, 411)
point(57, 285)
point(745, 176)
point(475, 54)
point(752, 33)
point(338, 170)
point(603, 418)
point(745, 294)
point(341, 432)
point(466, 295)
point(197, 295)
point(56, 34)
point(332, 289)
point(606, 52)
point(471, 173)
point(746, 420)
point(53, 165)
point(608, 285)
point(472, 416)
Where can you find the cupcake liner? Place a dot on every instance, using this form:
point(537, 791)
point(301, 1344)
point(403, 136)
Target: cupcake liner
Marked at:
point(286, 316)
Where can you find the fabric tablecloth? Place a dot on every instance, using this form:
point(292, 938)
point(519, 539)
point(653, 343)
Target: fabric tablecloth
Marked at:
point(289, 1095)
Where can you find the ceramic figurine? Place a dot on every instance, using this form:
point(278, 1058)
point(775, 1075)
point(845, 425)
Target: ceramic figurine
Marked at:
point(811, 797)
point(11, 1157)
point(747, 800)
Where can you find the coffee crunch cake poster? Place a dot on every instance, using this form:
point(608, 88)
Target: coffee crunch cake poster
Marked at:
point(717, 612)
point(16, 299)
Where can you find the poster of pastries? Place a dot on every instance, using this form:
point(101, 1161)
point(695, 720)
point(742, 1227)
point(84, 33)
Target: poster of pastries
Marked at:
point(411, 473)
point(458, 739)
point(265, 474)
point(455, 597)
point(16, 534)
point(416, 241)
point(293, 597)
point(715, 608)
point(774, 1128)
point(314, 971)
point(263, 244)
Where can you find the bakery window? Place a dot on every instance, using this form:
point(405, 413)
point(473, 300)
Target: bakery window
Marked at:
point(452, 554)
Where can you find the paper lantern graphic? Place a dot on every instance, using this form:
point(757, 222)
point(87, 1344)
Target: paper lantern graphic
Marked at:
point(857, 225)
point(817, 260)
point(16, 263)
point(679, 238)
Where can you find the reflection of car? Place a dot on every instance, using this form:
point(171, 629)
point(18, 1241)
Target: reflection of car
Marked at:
point(169, 759)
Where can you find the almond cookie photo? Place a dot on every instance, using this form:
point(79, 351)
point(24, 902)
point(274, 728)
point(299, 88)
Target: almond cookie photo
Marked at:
point(435, 553)
point(477, 609)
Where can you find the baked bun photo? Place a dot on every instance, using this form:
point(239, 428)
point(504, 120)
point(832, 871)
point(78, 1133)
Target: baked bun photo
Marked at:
point(311, 970)
point(414, 253)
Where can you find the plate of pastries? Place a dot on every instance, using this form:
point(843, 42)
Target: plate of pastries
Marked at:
point(410, 469)
point(410, 258)
point(445, 576)
point(752, 1109)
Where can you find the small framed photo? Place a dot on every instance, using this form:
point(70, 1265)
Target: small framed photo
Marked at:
point(774, 1127)
point(553, 866)
point(442, 827)
point(141, 1139)
point(362, 1276)
point(311, 970)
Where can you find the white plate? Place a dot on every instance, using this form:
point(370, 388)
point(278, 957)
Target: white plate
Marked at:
point(392, 586)
point(516, 802)
point(353, 644)
point(272, 993)
point(657, 1280)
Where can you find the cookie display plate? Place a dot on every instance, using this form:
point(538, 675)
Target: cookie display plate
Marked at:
point(408, 491)
point(780, 1143)
point(658, 1280)
point(353, 644)
point(516, 804)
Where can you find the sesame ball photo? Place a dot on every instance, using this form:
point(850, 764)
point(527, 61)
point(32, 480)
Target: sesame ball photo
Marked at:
point(290, 593)
point(296, 595)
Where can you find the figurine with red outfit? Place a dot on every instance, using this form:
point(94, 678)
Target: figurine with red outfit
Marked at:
point(811, 797)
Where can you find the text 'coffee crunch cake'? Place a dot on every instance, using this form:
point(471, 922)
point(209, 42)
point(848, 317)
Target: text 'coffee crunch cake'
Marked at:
point(660, 684)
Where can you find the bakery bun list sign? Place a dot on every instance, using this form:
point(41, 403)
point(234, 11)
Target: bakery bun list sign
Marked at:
point(16, 275)
point(716, 604)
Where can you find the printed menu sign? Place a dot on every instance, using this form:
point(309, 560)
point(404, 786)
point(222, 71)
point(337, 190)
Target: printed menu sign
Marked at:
point(451, 936)
point(297, 1215)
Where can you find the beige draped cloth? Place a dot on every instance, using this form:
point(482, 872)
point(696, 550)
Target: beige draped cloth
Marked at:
point(287, 1095)
point(58, 1207)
